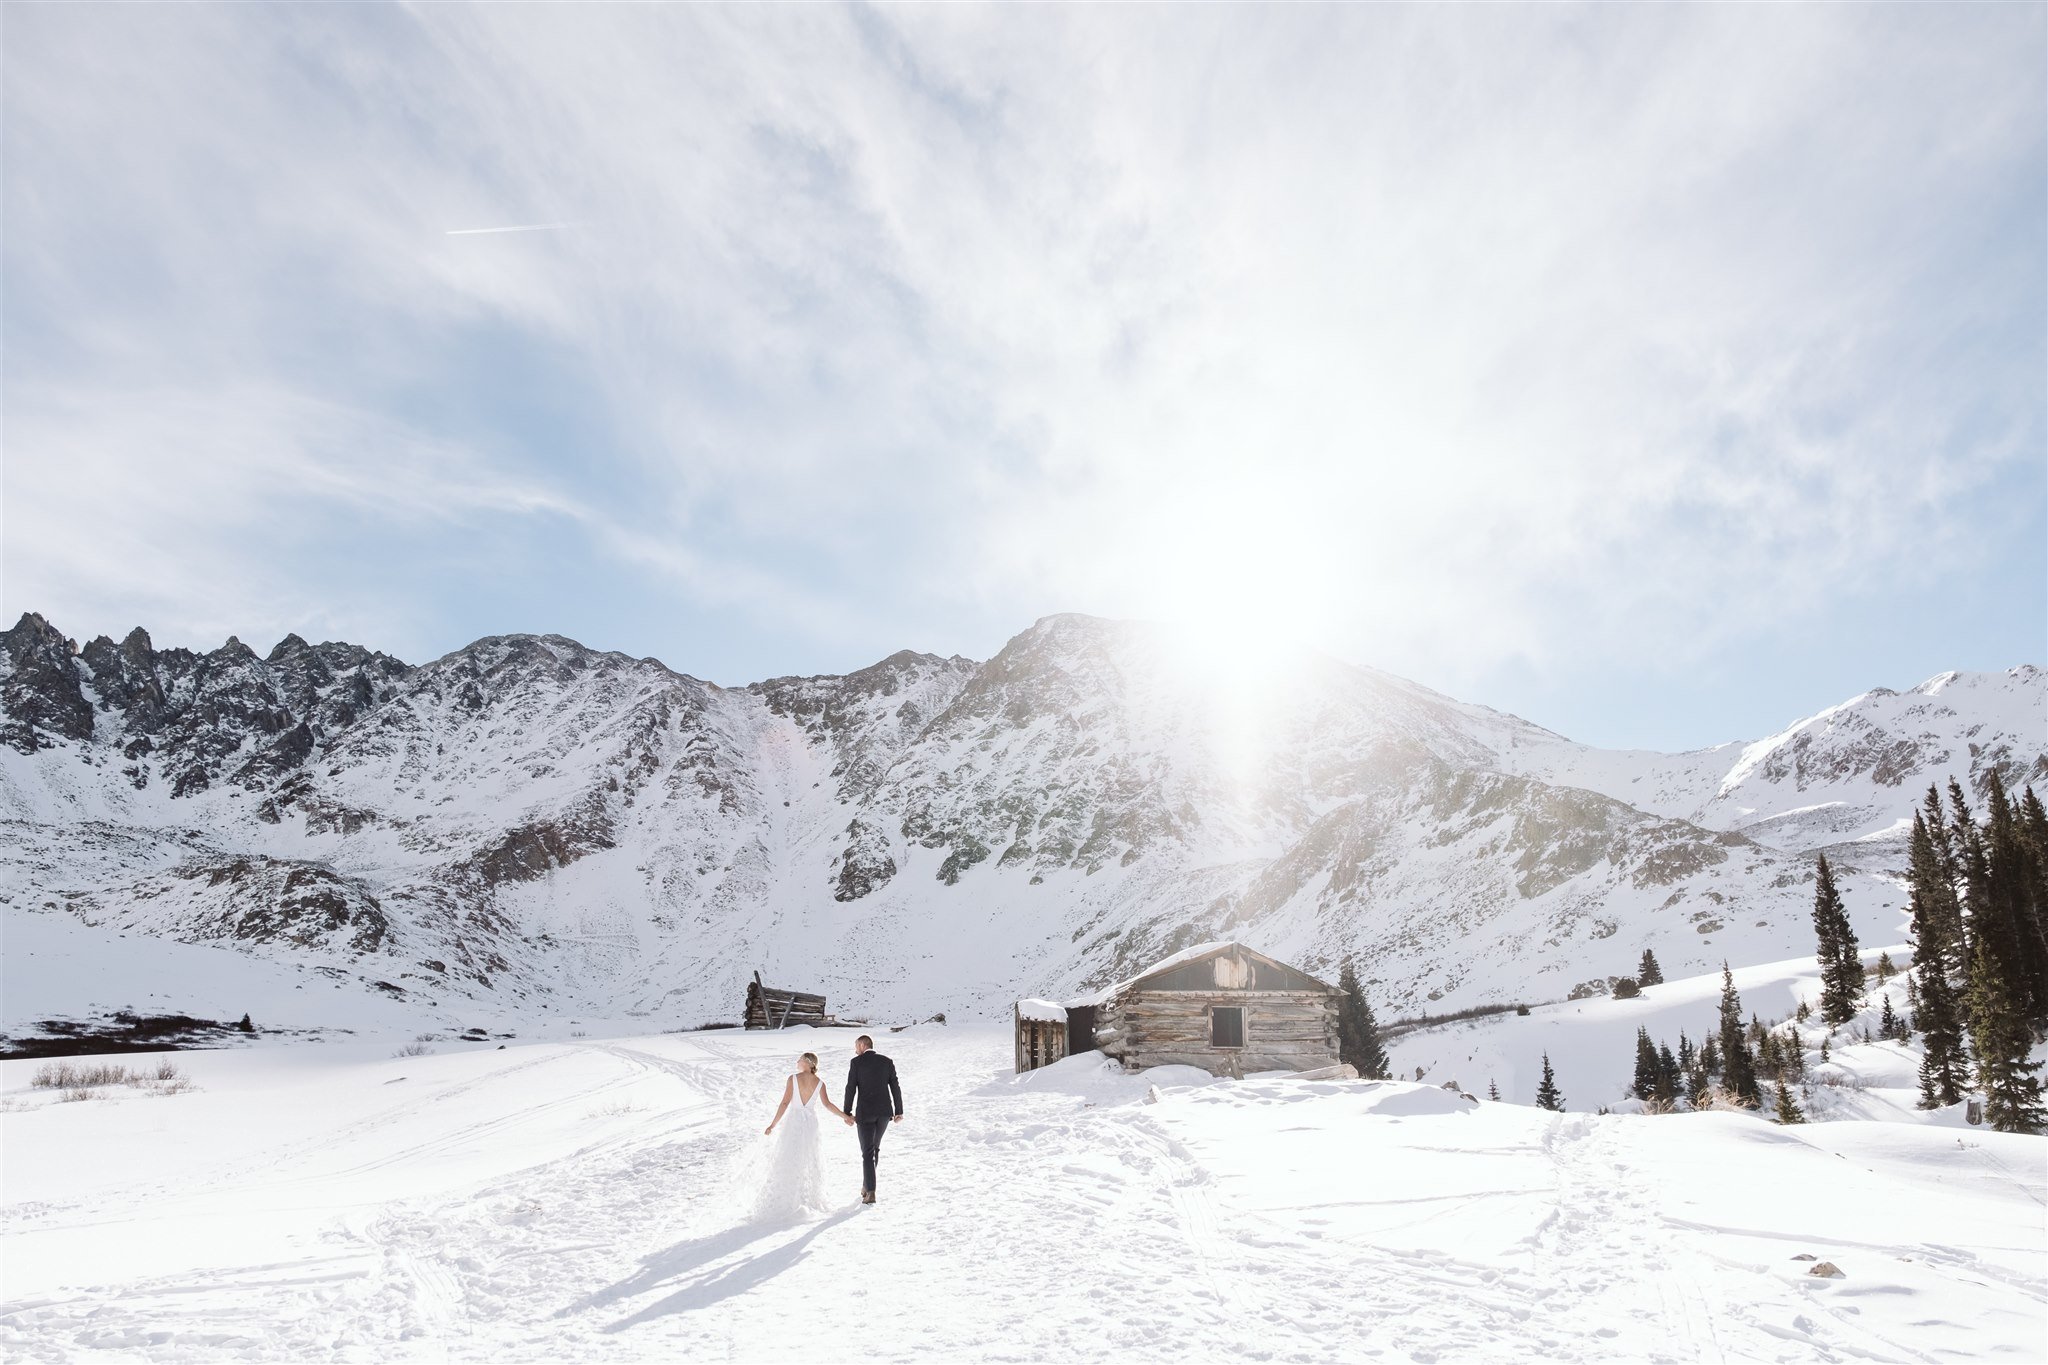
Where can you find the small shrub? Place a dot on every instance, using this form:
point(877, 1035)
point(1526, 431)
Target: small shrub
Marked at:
point(414, 1050)
point(1522, 1011)
point(1626, 989)
point(70, 1076)
point(577, 1033)
point(75, 1094)
point(167, 1070)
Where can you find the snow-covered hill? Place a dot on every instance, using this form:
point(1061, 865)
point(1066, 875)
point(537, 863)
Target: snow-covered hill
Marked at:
point(527, 828)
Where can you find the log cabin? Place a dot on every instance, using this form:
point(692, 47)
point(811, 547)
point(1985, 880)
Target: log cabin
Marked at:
point(1220, 1006)
point(769, 1007)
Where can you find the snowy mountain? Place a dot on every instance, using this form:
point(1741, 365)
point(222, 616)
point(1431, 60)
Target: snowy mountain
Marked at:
point(528, 825)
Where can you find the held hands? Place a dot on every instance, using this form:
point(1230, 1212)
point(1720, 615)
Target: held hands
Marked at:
point(848, 1118)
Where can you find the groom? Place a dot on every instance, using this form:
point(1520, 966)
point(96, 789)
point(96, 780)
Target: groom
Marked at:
point(873, 1102)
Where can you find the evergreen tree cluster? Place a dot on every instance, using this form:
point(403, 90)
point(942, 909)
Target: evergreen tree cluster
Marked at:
point(1979, 982)
point(1358, 1033)
point(1658, 1078)
point(1730, 1061)
point(1649, 973)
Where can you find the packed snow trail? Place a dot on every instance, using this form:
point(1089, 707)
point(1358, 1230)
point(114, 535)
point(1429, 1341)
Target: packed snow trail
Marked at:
point(586, 1200)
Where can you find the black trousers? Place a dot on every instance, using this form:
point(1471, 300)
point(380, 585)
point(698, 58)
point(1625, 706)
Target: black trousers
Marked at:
point(870, 1131)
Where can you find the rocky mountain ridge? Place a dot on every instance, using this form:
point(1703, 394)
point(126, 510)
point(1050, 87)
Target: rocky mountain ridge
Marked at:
point(528, 824)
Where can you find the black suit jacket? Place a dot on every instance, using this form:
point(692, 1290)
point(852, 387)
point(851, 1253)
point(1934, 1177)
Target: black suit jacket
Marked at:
point(871, 1089)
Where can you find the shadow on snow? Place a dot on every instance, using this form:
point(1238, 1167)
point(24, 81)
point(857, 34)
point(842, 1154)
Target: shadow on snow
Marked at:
point(701, 1287)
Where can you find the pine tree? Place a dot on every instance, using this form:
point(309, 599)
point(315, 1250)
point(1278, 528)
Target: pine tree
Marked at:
point(1936, 926)
point(1697, 1085)
point(2004, 1044)
point(1792, 1058)
point(1738, 1068)
point(1787, 1107)
point(1492, 1090)
point(1941, 881)
point(1888, 1022)
point(1710, 1056)
point(1841, 970)
point(2009, 908)
point(1645, 1082)
point(1547, 1093)
point(1649, 973)
point(1358, 1033)
point(1668, 1074)
point(1885, 970)
point(1768, 1062)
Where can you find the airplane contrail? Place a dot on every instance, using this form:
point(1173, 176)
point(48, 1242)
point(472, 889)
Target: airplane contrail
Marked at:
point(516, 227)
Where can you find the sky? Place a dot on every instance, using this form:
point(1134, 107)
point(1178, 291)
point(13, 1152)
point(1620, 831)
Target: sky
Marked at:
point(1657, 374)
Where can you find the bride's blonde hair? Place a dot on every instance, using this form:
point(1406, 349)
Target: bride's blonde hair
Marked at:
point(811, 1061)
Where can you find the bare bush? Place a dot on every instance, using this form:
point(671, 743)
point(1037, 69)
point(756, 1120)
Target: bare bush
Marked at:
point(616, 1109)
point(414, 1050)
point(84, 1081)
point(81, 1076)
point(1722, 1100)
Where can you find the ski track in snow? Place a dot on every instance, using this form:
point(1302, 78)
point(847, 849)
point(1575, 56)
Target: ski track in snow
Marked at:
point(1057, 1216)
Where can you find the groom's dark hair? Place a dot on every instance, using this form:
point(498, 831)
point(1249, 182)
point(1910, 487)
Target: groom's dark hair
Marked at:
point(865, 1039)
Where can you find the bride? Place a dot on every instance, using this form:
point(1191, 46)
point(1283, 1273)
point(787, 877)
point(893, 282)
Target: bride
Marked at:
point(795, 1180)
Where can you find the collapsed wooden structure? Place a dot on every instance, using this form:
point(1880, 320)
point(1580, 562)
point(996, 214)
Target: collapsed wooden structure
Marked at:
point(768, 1007)
point(1219, 1006)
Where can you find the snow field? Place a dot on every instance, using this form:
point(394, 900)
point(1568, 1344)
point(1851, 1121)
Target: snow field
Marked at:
point(583, 1200)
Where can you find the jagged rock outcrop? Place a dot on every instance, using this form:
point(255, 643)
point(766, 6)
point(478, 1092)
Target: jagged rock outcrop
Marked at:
point(536, 822)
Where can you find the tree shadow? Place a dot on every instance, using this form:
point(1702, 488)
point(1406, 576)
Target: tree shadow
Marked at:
point(700, 1288)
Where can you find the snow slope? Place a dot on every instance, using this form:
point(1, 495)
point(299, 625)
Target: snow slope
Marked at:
point(581, 1200)
point(1591, 1043)
point(528, 829)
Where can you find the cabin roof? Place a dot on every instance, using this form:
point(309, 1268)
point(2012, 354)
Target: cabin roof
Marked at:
point(1182, 959)
point(1048, 1011)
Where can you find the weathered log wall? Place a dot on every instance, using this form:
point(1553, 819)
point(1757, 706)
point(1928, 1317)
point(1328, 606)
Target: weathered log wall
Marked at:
point(768, 1007)
point(1283, 1030)
point(1040, 1042)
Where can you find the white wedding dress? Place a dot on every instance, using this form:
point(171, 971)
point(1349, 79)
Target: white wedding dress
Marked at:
point(793, 1185)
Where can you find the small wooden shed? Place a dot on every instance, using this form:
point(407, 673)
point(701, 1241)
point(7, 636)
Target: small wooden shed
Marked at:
point(769, 1007)
point(1220, 1006)
point(1041, 1033)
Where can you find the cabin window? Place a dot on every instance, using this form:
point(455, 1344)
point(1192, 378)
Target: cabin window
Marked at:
point(1226, 1026)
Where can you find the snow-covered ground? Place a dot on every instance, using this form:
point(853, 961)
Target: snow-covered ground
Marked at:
point(583, 1199)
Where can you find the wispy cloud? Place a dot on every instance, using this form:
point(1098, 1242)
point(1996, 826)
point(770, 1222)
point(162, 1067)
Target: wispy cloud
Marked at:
point(513, 227)
point(1462, 341)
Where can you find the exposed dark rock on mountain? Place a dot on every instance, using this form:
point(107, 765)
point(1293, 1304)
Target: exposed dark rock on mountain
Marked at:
point(539, 822)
